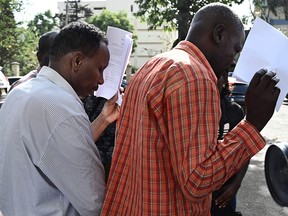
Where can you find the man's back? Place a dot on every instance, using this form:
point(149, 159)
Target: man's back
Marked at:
point(143, 160)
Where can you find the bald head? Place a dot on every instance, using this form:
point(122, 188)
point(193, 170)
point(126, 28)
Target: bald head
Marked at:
point(215, 13)
point(219, 34)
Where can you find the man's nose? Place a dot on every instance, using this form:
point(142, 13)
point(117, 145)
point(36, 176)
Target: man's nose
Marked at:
point(101, 79)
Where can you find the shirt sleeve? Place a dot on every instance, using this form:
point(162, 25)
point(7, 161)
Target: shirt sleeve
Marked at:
point(72, 162)
point(201, 162)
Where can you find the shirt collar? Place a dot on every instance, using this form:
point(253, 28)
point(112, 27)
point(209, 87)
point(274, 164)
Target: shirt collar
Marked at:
point(52, 75)
point(193, 50)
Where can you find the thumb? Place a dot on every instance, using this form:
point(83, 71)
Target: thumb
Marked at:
point(113, 99)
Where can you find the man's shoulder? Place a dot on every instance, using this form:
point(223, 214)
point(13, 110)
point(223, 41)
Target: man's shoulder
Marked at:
point(30, 75)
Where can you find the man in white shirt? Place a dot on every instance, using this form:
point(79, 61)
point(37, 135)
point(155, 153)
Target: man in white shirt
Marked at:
point(49, 164)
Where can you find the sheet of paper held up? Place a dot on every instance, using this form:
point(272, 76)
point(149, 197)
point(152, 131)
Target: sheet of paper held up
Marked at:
point(120, 47)
point(265, 47)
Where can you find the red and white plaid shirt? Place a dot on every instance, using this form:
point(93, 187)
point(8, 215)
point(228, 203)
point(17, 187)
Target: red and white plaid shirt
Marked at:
point(167, 160)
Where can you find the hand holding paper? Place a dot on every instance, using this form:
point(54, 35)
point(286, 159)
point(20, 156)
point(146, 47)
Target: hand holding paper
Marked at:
point(265, 47)
point(261, 98)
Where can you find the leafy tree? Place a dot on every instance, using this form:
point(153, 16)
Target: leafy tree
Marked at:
point(173, 14)
point(42, 23)
point(264, 8)
point(273, 5)
point(26, 54)
point(75, 11)
point(8, 33)
point(120, 20)
point(16, 43)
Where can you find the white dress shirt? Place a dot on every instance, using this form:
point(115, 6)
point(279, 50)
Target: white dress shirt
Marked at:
point(49, 164)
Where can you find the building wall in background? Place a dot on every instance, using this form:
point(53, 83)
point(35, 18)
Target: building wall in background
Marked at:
point(149, 43)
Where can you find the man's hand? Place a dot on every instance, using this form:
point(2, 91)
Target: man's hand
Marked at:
point(231, 187)
point(110, 110)
point(109, 114)
point(261, 97)
point(228, 192)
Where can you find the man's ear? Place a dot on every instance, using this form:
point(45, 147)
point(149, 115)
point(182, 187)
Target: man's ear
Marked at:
point(39, 56)
point(77, 60)
point(218, 33)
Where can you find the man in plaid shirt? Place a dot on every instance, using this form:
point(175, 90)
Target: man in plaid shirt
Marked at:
point(167, 159)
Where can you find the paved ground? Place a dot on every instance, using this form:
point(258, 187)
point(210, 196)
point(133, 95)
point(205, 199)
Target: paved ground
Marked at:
point(254, 198)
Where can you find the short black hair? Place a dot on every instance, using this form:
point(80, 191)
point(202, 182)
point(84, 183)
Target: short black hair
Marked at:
point(45, 41)
point(77, 36)
point(43, 49)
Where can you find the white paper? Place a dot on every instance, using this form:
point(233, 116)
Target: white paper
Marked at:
point(120, 47)
point(265, 47)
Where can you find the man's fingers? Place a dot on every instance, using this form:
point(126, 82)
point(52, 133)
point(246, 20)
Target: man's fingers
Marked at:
point(269, 81)
point(276, 91)
point(266, 80)
point(272, 83)
point(257, 77)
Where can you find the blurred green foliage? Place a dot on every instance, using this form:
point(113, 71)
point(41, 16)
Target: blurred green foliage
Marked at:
point(172, 14)
point(42, 23)
point(18, 43)
point(115, 19)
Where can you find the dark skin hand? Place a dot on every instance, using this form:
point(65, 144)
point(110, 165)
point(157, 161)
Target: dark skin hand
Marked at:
point(261, 98)
point(229, 190)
